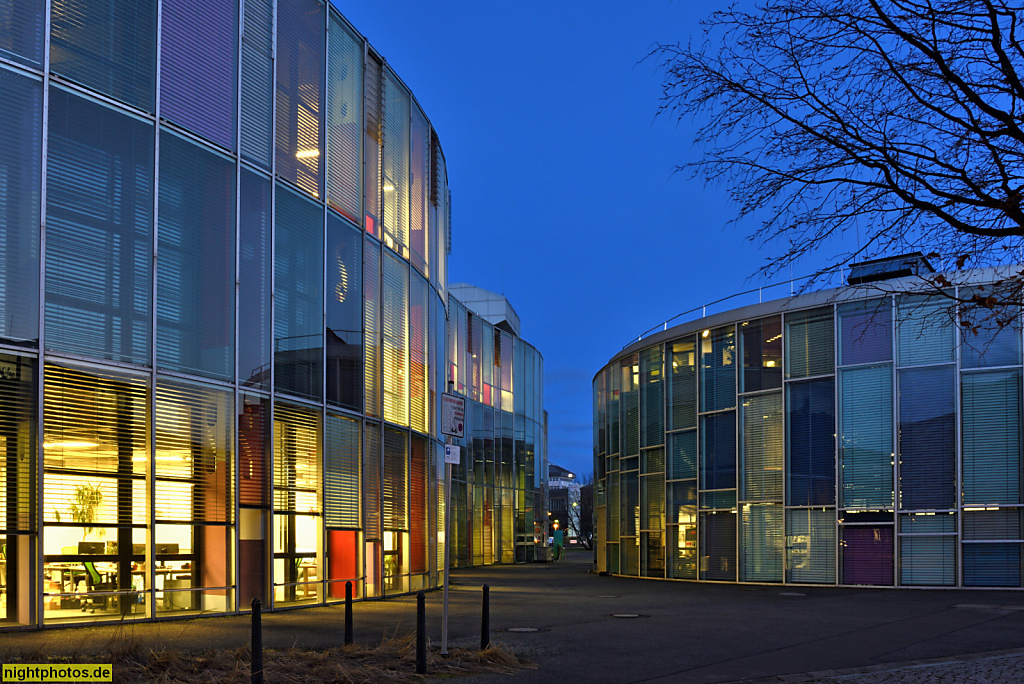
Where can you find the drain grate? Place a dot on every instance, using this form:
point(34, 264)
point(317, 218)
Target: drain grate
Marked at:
point(626, 615)
point(522, 629)
point(791, 593)
point(611, 596)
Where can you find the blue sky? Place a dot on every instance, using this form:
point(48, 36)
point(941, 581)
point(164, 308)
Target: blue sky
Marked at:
point(563, 194)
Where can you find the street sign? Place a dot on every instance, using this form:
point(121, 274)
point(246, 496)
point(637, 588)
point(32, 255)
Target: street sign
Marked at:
point(452, 454)
point(453, 415)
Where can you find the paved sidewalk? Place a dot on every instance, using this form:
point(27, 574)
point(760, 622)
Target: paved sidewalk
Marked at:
point(586, 628)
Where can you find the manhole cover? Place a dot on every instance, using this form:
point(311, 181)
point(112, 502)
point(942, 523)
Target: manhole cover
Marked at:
point(522, 629)
point(791, 593)
point(625, 615)
point(610, 596)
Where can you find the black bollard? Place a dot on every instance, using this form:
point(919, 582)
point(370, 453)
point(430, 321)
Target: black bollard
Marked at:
point(348, 613)
point(485, 620)
point(256, 667)
point(421, 633)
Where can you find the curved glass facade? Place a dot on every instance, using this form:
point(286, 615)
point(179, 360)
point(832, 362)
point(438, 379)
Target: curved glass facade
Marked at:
point(849, 437)
point(223, 296)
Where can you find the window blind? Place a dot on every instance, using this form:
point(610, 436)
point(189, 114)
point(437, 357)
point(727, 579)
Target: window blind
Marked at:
point(924, 330)
point(718, 369)
point(371, 482)
point(254, 451)
point(300, 92)
point(20, 169)
point(927, 438)
point(344, 314)
point(652, 397)
point(929, 561)
point(811, 443)
point(682, 498)
point(866, 451)
point(419, 180)
point(196, 279)
point(108, 46)
point(763, 451)
point(296, 459)
point(996, 524)
point(257, 81)
point(198, 76)
point(371, 325)
point(341, 472)
point(395, 338)
point(761, 543)
point(867, 555)
point(630, 408)
point(21, 31)
point(18, 441)
point(809, 343)
point(683, 385)
point(652, 502)
point(254, 280)
point(991, 407)
point(418, 366)
point(761, 343)
point(298, 295)
point(394, 485)
point(396, 165)
point(95, 433)
point(373, 106)
point(344, 119)
point(718, 546)
point(989, 337)
point(682, 455)
point(992, 565)
point(99, 230)
point(629, 495)
point(811, 546)
point(718, 455)
point(194, 427)
point(419, 523)
point(865, 331)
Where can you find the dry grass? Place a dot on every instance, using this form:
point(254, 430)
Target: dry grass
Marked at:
point(393, 659)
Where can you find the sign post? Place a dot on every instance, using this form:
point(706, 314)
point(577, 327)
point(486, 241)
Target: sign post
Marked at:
point(453, 420)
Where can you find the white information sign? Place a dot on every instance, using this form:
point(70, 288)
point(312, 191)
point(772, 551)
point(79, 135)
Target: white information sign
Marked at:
point(453, 415)
point(452, 454)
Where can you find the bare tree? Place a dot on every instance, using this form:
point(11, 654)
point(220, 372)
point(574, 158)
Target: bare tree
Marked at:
point(890, 125)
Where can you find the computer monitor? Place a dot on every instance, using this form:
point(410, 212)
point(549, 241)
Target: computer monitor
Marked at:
point(92, 548)
point(162, 549)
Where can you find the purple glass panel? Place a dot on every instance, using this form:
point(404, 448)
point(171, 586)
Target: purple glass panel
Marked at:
point(867, 555)
point(197, 67)
point(866, 332)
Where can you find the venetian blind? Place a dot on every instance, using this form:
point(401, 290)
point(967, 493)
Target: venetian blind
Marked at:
point(866, 452)
point(197, 67)
point(296, 459)
point(811, 443)
point(341, 472)
point(394, 485)
point(419, 522)
point(652, 397)
point(761, 559)
point(924, 330)
point(762, 448)
point(371, 481)
point(344, 119)
point(18, 444)
point(395, 338)
point(811, 546)
point(257, 81)
point(809, 343)
point(927, 438)
point(991, 434)
point(195, 427)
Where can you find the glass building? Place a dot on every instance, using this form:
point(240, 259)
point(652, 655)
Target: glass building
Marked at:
point(223, 313)
point(848, 437)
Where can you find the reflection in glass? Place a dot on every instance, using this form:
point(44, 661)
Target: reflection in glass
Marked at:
point(344, 315)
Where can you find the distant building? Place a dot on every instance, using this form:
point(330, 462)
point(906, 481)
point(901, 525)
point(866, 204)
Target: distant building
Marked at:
point(498, 488)
point(564, 499)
